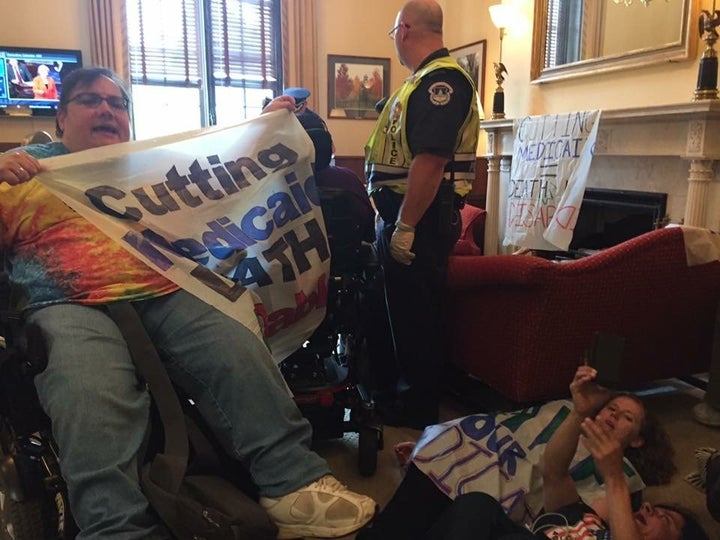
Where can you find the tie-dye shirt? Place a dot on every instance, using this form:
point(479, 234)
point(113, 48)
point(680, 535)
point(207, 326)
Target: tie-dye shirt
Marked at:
point(57, 256)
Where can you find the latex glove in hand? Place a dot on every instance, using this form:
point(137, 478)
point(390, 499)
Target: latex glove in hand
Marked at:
point(400, 243)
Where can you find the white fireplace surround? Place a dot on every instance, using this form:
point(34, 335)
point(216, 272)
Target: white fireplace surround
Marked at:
point(669, 149)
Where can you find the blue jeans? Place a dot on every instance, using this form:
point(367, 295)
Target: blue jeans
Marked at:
point(100, 412)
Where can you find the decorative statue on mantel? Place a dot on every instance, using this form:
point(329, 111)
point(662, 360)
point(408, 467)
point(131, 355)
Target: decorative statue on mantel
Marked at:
point(499, 70)
point(498, 110)
point(708, 70)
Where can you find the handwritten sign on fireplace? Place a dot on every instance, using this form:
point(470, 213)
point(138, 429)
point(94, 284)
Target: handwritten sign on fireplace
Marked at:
point(551, 159)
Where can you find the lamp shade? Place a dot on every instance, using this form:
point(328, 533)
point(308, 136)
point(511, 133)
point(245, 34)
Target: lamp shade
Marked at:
point(501, 15)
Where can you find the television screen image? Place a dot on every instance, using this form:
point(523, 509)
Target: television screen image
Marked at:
point(31, 78)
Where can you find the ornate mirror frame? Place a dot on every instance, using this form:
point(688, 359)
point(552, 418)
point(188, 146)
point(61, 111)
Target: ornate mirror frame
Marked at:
point(680, 50)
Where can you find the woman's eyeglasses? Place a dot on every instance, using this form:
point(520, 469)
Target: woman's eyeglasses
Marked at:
point(93, 101)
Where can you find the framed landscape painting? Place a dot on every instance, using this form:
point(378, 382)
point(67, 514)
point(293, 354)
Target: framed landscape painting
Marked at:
point(355, 85)
point(472, 59)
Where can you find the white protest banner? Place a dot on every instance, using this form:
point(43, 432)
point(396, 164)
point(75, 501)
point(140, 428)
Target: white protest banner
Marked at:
point(238, 202)
point(551, 158)
point(501, 454)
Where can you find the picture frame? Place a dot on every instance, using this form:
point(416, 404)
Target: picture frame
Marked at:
point(472, 59)
point(355, 85)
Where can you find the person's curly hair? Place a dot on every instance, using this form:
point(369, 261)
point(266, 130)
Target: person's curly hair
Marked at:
point(655, 459)
point(691, 530)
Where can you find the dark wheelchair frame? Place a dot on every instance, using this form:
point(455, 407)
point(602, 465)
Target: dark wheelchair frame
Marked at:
point(325, 376)
point(33, 497)
point(330, 376)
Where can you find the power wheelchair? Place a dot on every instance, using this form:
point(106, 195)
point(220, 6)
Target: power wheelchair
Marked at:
point(330, 375)
point(327, 376)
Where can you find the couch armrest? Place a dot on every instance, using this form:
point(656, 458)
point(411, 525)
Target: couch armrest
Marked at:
point(473, 272)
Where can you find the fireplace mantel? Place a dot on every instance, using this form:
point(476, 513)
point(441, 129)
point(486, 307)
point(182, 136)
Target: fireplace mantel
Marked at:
point(684, 132)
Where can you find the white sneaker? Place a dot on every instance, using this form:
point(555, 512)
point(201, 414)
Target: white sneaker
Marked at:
point(705, 414)
point(323, 509)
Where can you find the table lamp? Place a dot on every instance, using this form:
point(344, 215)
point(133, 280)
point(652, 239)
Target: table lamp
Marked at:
point(501, 15)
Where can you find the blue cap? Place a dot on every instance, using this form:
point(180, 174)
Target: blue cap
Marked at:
point(299, 93)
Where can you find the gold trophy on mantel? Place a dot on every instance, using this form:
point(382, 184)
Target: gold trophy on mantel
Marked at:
point(708, 71)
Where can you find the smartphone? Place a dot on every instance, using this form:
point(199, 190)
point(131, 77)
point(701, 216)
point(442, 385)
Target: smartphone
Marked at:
point(606, 357)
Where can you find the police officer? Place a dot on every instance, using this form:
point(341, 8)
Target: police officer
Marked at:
point(420, 163)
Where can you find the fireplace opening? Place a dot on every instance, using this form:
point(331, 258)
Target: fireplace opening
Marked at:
point(609, 217)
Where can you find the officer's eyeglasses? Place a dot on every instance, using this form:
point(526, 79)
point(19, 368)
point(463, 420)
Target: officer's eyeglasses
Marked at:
point(391, 33)
point(93, 101)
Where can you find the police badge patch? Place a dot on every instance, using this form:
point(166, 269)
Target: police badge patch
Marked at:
point(440, 93)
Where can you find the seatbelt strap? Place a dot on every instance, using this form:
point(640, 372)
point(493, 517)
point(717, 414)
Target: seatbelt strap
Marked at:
point(151, 370)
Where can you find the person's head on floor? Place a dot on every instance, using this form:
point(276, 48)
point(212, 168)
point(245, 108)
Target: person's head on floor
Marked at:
point(668, 522)
point(624, 415)
point(645, 442)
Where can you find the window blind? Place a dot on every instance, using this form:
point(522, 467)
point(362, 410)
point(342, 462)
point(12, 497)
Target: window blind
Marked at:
point(244, 52)
point(242, 42)
point(163, 42)
point(563, 36)
point(551, 35)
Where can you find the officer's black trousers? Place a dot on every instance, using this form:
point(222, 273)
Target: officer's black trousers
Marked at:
point(415, 293)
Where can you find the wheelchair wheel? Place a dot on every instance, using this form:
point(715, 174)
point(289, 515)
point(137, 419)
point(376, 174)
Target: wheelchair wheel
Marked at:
point(368, 446)
point(21, 520)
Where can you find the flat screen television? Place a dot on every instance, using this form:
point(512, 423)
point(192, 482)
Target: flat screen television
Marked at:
point(31, 78)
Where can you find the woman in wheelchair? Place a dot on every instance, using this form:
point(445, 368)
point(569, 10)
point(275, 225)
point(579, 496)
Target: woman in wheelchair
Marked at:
point(67, 270)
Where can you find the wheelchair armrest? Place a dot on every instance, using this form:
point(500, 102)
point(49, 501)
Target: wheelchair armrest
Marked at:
point(24, 344)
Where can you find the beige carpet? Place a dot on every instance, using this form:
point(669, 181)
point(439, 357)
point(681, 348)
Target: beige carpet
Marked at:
point(673, 405)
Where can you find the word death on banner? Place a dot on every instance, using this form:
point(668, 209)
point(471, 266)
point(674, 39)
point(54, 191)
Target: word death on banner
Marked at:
point(551, 159)
point(232, 215)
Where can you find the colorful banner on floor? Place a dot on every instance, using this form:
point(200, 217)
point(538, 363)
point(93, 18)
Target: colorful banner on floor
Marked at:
point(551, 160)
point(230, 214)
point(501, 454)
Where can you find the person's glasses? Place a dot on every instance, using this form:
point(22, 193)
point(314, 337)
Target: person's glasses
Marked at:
point(391, 33)
point(93, 101)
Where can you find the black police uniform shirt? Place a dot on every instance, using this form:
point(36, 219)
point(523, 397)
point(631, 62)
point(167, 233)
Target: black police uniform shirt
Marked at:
point(433, 125)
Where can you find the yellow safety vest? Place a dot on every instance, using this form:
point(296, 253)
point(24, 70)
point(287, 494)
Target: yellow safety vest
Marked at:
point(387, 154)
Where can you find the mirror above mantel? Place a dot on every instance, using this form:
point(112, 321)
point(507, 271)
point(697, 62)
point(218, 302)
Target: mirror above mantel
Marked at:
point(578, 38)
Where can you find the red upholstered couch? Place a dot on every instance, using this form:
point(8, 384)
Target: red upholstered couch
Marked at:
point(521, 324)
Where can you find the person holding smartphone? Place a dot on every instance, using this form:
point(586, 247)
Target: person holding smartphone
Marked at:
point(421, 497)
point(566, 515)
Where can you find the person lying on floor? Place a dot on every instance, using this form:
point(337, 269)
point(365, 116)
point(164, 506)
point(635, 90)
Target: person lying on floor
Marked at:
point(501, 454)
point(479, 516)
